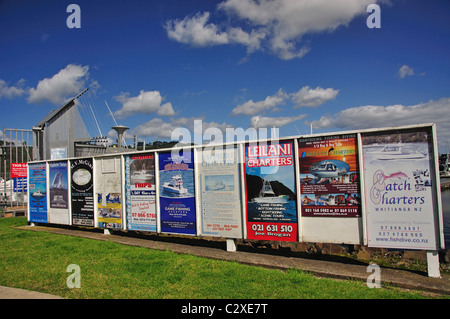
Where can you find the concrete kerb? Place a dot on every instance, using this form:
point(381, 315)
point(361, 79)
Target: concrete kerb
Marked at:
point(329, 269)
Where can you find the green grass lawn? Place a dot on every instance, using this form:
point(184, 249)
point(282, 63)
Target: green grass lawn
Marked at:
point(38, 261)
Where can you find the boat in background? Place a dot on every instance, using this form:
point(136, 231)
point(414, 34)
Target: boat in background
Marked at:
point(444, 165)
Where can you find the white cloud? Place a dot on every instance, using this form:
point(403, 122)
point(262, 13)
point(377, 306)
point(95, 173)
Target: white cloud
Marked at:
point(10, 92)
point(158, 128)
point(405, 70)
point(196, 31)
point(275, 25)
point(66, 83)
point(268, 122)
point(145, 103)
point(373, 116)
point(251, 108)
point(306, 96)
point(309, 97)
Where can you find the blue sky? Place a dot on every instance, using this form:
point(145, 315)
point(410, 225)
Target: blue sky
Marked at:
point(162, 64)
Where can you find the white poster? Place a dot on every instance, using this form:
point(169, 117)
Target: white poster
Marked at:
point(108, 189)
point(401, 212)
point(58, 208)
point(220, 194)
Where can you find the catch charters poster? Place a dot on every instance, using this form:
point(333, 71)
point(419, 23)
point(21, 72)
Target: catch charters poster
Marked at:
point(140, 190)
point(82, 192)
point(270, 191)
point(37, 181)
point(220, 193)
point(176, 192)
point(329, 176)
point(399, 189)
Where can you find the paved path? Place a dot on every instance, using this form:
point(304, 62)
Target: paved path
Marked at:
point(15, 293)
point(394, 277)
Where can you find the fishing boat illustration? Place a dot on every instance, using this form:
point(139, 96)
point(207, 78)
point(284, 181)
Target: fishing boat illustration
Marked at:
point(267, 195)
point(175, 185)
point(329, 168)
point(393, 152)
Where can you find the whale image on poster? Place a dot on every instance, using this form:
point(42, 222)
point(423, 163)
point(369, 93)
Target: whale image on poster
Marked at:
point(177, 192)
point(37, 192)
point(270, 191)
point(329, 176)
point(398, 187)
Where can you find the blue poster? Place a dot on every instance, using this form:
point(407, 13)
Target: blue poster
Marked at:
point(176, 192)
point(37, 181)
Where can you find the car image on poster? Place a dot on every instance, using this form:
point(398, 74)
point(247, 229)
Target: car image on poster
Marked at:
point(270, 191)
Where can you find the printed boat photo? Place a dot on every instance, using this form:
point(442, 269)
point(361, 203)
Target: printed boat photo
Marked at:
point(175, 185)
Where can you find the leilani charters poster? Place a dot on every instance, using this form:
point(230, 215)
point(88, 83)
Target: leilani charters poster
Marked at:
point(59, 193)
point(37, 180)
point(82, 192)
point(398, 190)
point(329, 176)
point(140, 192)
point(176, 192)
point(220, 193)
point(270, 191)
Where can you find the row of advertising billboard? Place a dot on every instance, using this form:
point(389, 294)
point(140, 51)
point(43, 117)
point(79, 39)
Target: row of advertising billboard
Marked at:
point(378, 188)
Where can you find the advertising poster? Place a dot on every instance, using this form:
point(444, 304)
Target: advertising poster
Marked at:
point(176, 192)
point(270, 191)
point(59, 194)
point(19, 176)
point(109, 210)
point(220, 193)
point(37, 180)
point(398, 190)
point(82, 192)
point(108, 189)
point(18, 170)
point(140, 192)
point(329, 176)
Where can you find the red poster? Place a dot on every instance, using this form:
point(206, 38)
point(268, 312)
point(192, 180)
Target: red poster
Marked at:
point(270, 192)
point(18, 170)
